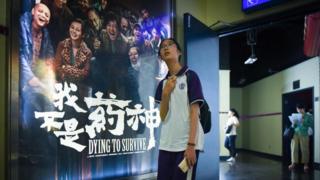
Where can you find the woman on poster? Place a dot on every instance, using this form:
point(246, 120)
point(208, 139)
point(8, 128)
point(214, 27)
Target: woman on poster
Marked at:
point(72, 60)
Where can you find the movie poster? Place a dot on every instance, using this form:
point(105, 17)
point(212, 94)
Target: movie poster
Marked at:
point(88, 74)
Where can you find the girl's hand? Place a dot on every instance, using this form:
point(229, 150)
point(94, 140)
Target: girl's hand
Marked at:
point(170, 84)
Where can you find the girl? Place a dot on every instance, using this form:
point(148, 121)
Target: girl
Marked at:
point(231, 133)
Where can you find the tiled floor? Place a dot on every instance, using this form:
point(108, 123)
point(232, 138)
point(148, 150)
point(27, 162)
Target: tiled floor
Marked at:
point(252, 167)
point(248, 166)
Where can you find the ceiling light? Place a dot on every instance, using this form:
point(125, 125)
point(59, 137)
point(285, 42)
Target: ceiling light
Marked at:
point(251, 60)
point(251, 41)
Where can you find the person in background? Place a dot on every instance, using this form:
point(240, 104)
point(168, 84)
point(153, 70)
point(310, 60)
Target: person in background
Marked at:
point(231, 133)
point(72, 64)
point(111, 40)
point(136, 39)
point(33, 27)
point(134, 58)
point(93, 29)
point(36, 59)
point(72, 60)
point(301, 138)
point(102, 7)
point(125, 28)
point(182, 136)
point(61, 16)
point(36, 76)
point(132, 83)
point(79, 8)
point(114, 53)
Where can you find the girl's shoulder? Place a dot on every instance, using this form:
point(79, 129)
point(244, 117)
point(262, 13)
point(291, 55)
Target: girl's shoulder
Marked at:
point(234, 118)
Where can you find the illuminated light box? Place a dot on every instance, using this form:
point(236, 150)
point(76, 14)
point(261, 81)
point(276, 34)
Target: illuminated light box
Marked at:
point(251, 5)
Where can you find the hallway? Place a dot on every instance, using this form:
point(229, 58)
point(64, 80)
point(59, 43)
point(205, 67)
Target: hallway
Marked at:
point(252, 166)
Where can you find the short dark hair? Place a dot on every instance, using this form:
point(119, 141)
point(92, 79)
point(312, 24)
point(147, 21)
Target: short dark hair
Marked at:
point(93, 10)
point(136, 47)
point(169, 39)
point(137, 26)
point(109, 18)
point(300, 106)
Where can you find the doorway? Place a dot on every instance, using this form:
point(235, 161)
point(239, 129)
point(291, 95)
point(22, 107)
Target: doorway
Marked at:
point(201, 55)
point(289, 101)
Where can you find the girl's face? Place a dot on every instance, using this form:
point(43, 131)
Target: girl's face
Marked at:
point(169, 50)
point(230, 113)
point(75, 31)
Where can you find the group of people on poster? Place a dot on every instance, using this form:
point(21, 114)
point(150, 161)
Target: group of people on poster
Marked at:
point(98, 45)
